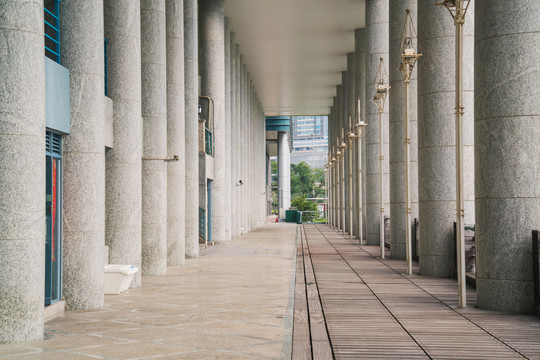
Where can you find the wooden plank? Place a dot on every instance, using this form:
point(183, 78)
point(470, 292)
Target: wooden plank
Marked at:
point(361, 302)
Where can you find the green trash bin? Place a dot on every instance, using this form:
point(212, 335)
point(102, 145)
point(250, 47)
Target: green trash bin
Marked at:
point(291, 215)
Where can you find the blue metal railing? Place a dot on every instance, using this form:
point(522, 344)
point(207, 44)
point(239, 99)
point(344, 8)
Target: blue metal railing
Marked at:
point(52, 32)
point(202, 224)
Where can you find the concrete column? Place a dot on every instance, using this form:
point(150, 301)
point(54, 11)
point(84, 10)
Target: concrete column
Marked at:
point(243, 149)
point(351, 101)
point(331, 147)
point(360, 91)
point(250, 155)
point(507, 152)
point(237, 143)
point(22, 210)
point(376, 48)
point(345, 156)
point(154, 112)
point(123, 162)
point(337, 137)
point(227, 132)
point(397, 132)
point(249, 163)
point(284, 175)
point(245, 194)
point(176, 140)
point(84, 158)
point(212, 65)
point(436, 136)
point(191, 104)
point(252, 181)
point(234, 135)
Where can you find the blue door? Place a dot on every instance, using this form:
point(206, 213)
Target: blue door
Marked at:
point(53, 209)
point(209, 212)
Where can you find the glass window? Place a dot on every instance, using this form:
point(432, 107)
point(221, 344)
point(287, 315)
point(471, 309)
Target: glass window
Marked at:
point(52, 29)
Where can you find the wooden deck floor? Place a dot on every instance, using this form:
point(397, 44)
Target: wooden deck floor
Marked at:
point(349, 304)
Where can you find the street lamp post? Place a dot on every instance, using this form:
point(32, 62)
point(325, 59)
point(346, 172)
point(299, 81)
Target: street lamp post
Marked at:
point(343, 147)
point(326, 193)
point(381, 92)
point(338, 187)
point(458, 10)
point(350, 139)
point(409, 56)
point(359, 128)
point(331, 188)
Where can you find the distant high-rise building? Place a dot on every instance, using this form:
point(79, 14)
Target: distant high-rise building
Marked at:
point(310, 140)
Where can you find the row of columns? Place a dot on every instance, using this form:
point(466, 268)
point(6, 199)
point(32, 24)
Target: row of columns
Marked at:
point(140, 197)
point(501, 153)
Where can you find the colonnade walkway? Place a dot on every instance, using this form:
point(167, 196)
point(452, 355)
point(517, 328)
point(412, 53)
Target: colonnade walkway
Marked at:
point(233, 302)
point(350, 304)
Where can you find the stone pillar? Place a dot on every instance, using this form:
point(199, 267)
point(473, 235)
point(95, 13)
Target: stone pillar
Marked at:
point(245, 150)
point(22, 210)
point(123, 161)
point(84, 155)
point(507, 152)
point(212, 65)
point(154, 112)
point(337, 137)
point(436, 136)
point(176, 142)
point(227, 132)
point(351, 179)
point(242, 146)
point(234, 135)
point(284, 175)
point(331, 152)
point(397, 132)
point(237, 144)
point(360, 91)
point(345, 155)
point(191, 97)
point(376, 48)
point(249, 200)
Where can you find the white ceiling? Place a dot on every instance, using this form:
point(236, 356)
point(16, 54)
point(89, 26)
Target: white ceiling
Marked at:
point(295, 50)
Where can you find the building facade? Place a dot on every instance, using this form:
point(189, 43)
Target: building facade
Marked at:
point(310, 140)
point(105, 155)
point(132, 131)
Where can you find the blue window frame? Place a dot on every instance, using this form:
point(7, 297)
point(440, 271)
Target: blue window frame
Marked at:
point(53, 206)
point(52, 29)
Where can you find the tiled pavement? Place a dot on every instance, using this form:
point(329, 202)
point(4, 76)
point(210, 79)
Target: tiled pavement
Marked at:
point(233, 302)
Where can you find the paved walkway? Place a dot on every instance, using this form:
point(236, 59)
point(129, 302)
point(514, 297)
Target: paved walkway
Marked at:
point(233, 302)
point(371, 310)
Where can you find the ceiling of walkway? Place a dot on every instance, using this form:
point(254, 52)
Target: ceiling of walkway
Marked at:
point(295, 50)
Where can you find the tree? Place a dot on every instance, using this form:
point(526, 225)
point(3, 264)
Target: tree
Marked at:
point(300, 203)
point(318, 182)
point(301, 180)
